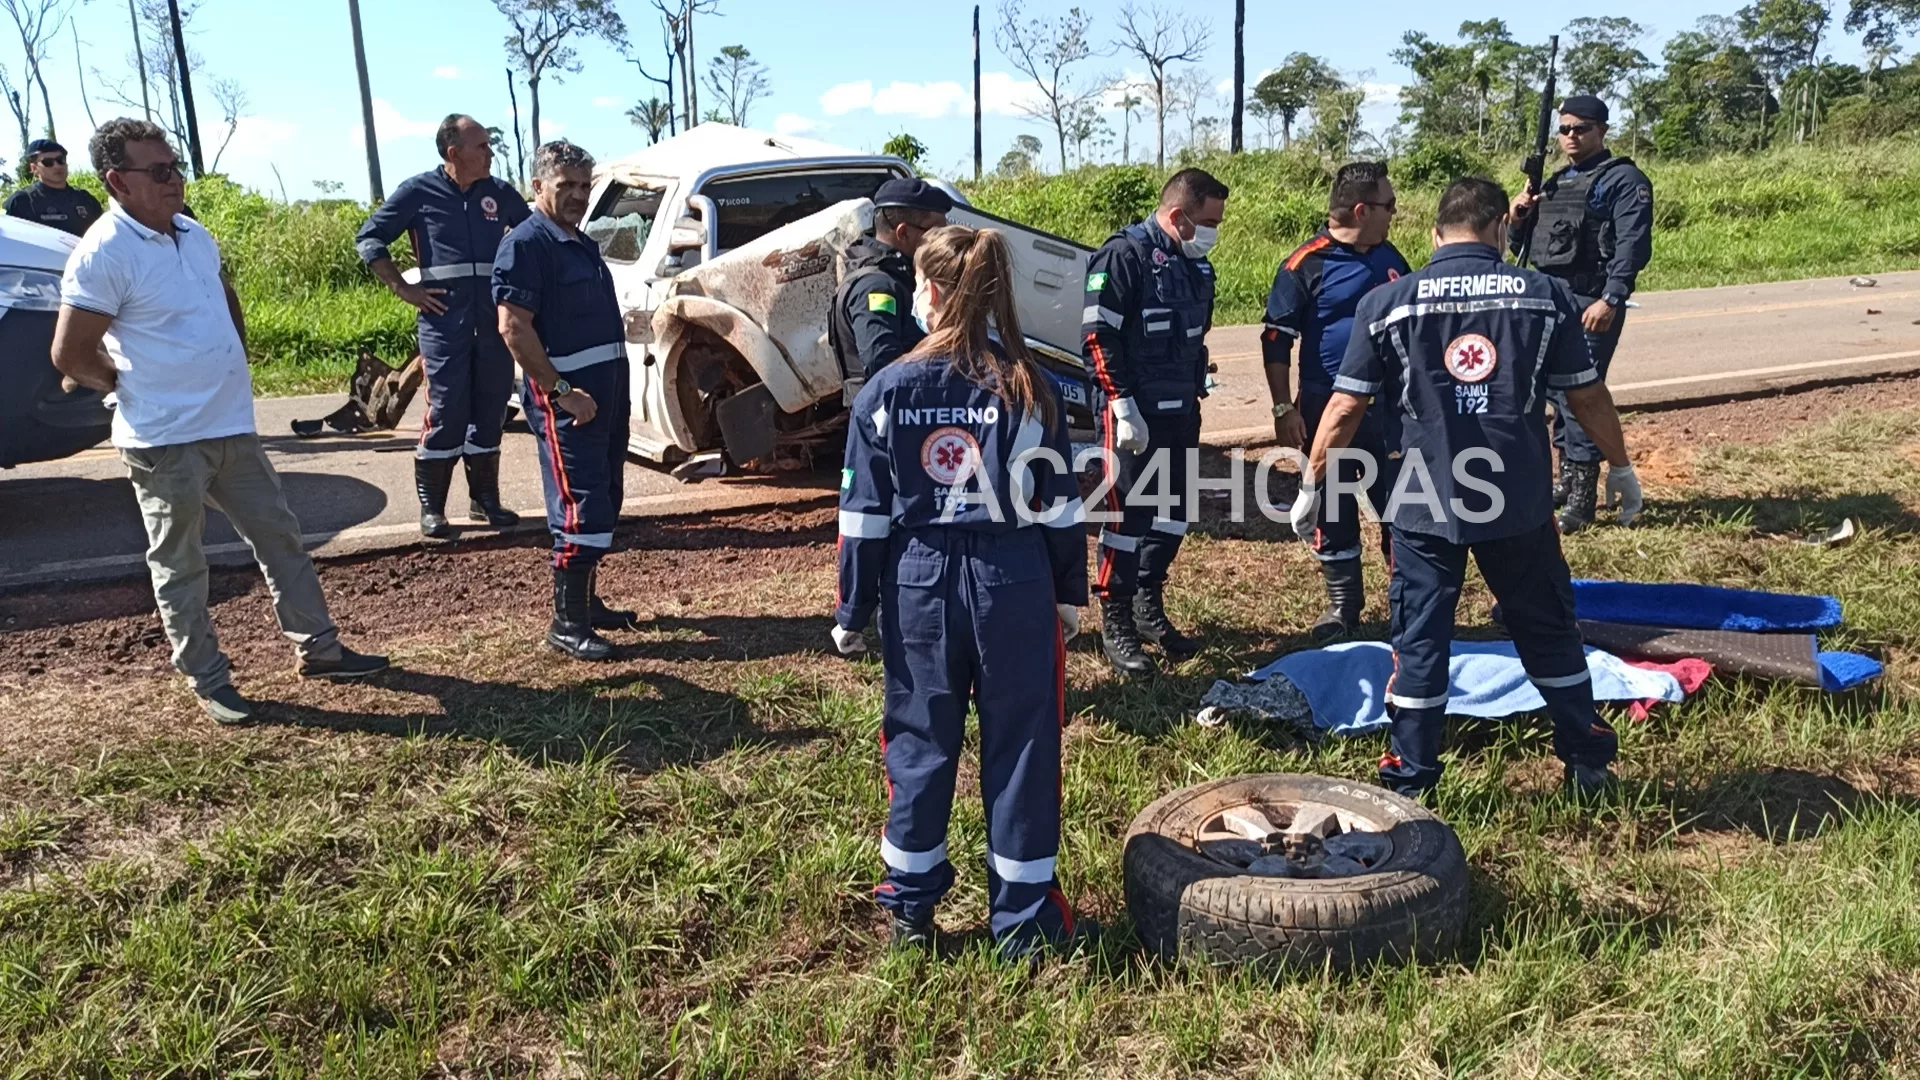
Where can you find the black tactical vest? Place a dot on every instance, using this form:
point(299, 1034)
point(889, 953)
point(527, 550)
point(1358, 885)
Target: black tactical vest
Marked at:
point(1570, 240)
point(864, 257)
point(1166, 337)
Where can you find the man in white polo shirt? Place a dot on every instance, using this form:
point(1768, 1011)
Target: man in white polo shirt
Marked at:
point(147, 315)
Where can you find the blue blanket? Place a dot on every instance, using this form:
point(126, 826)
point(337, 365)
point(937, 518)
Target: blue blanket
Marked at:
point(1347, 684)
point(1706, 607)
point(1702, 607)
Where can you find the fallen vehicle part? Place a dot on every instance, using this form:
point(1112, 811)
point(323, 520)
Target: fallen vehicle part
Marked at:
point(1296, 872)
point(377, 397)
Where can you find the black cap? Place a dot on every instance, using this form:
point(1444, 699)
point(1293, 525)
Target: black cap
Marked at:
point(44, 146)
point(913, 195)
point(1584, 106)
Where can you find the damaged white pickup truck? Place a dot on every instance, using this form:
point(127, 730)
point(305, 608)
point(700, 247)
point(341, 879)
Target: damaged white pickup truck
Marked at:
point(726, 246)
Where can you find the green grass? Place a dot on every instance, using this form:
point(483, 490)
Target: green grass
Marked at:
point(506, 867)
point(1789, 213)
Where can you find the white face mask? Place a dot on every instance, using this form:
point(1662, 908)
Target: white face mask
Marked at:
point(1204, 237)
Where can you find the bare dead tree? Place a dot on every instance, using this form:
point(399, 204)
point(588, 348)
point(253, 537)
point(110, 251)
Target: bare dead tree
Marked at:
point(539, 44)
point(1160, 38)
point(232, 99)
point(38, 23)
point(1043, 50)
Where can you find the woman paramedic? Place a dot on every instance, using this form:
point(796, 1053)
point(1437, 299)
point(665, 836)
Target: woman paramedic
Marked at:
point(961, 522)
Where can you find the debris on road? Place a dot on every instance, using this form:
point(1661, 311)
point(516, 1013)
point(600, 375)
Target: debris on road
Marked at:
point(1862, 282)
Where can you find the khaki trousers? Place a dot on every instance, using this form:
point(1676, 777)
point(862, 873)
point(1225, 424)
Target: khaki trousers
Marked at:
point(175, 484)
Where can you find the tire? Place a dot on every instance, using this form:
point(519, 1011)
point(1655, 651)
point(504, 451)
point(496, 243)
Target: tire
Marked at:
point(1412, 906)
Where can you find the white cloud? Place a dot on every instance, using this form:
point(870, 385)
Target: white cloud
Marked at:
point(606, 102)
point(794, 124)
point(390, 124)
point(255, 139)
point(1381, 93)
point(446, 71)
point(1000, 93)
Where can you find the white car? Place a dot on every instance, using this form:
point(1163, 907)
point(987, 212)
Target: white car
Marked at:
point(721, 364)
point(38, 420)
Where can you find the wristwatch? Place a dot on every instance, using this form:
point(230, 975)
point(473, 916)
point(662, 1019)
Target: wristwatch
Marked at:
point(561, 388)
point(1282, 409)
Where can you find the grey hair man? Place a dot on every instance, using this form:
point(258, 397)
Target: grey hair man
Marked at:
point(561, 321)
point(147, 315)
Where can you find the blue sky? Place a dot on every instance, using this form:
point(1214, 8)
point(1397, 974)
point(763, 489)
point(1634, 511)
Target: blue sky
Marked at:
point(837, 72)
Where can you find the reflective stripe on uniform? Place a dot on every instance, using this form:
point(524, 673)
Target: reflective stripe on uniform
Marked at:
point(456, 270)
point(592, 540)
point(1147, 317)
point(1169, 525)
point(1023, 871)
point(471, 450)
point(1462, 307)
point(425, 454)
point(1287, 330)
point(1343, 555)
point(370, 249)
point(1555, 682)
point(1575, 380)
point(1094, 313)
point(1119, 541)
point(1402, 701)
point(1352, 385)
point(597, 354)
point(1072, 515)
point(880, 421)
point(864, 526)
point(912, 862)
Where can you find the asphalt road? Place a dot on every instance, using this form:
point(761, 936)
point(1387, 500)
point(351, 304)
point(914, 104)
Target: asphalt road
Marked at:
point(76, 519)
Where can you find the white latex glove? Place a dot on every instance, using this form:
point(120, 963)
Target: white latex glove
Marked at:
point(1069, 621)
point(1129, 427)
point(1623, 492)
point(1305, 510)
point(848, 642)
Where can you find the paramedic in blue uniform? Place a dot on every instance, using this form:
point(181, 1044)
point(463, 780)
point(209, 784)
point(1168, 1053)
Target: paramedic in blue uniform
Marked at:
point(1591, 226)
point(961, 524)
point(1470, 347)
point(872, 322)
point(1149, 306)
point(455, 217)
point(1314, 295)
point(561, 320)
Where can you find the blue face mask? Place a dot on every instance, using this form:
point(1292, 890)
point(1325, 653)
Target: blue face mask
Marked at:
point(920, 312)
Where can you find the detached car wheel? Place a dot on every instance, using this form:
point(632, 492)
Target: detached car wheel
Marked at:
point(1296, 872)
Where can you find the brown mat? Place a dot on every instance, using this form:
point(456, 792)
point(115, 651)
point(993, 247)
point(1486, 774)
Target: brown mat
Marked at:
point(1766, 656)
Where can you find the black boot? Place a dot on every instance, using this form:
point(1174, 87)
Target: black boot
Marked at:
point(572, 629)
point(1150, 619)
point(1121, 641)
point(604, 617)
point(431, 479)
point(1560, 484)
point(1346, 598)
point(483, 491)
point(1583, 482)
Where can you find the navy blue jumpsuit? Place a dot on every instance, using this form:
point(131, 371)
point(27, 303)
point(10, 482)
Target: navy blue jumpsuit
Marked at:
point(562, 279)
point(965, 541)
point(1148, 310)
point(1466, 350)
point(454, 234)
point(1314, 295)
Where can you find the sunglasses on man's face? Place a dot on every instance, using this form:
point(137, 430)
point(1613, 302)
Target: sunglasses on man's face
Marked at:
point(165, 173)
point(1576, 129)
point(49, 162)
point(1391, 206)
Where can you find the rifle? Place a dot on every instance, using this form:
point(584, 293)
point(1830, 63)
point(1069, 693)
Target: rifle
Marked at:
point(1536, 164)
